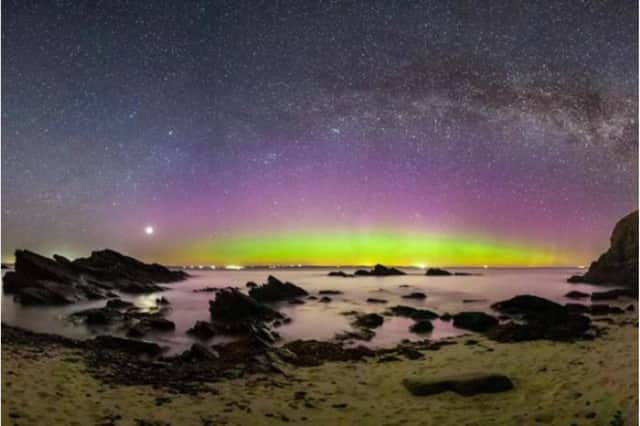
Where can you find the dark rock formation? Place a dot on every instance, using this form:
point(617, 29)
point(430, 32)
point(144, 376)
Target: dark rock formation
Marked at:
point(325, 299)
point(119, 304)
point(375, 300)
point(379, 271)
point(39, 280)
point(275, 290)
point(466, 385)
point(437, 272)
point(329, 292)
point(136, 347)
point(574, 294)
point(340, 274)
point(369, 321)
point(310, 353)
point(413, 313)
point(614, 294)
point(474, 321)
point(619, 264)
point(99, 316)
point(544, 320)
point(604, 310)
point(415, 295)
point(422, 326)
point(202, 330)
point(231, 305)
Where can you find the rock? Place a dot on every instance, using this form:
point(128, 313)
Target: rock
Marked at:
point(577, 308)
point(574, 294)
point(614, 294)
point(605, 310)
point(160, 324)
point(369, 321)
point(437, 272)
point(329, 292)
point(137, 347)
point(41, 280)
point(413, 313)
point(358, 334)
point(296, 302)
point(410, 353)
point(251, 284)
point(630, 308)
point(464, 384)
point(231, 305)
point(308, 353)
point(162, 301)
point(325, 299)
point(619, 264)
point(415, 295)
point(119, 304)
point(423, 326)
point(374, 300)
point(199, 352)
point(206, 290)
point(98, 316)
point(570, 328)
point(446, 317)
point(137, 330)
point(530, 306)
point(275, 290)
point(473, 300)
point(474, 321)
point(340, 274)
point(202, 330)
point(379, 271)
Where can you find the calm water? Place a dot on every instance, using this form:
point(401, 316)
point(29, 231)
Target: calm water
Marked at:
point(315, 320)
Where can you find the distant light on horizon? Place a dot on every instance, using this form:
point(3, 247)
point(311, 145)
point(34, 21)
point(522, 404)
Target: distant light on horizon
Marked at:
point(234, 267)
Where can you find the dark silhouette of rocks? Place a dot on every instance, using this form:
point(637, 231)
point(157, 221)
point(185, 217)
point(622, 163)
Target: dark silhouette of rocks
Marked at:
point(369, 321)
point(275, 291)
point(415, 295)
point(619, 264)
point(613, 294)
point(202, 330)
point(375, 300)
point(574, 294)
point(309, 353)
point(466, 385)
point(340, 274)
point(474, 321)
point(232, 305)
point(422, 326)
point(544, 320)
point(329, 292)
point(379, 271)
point(136, 347)
point(38, 280)
point(437, 272)
point(413, 313)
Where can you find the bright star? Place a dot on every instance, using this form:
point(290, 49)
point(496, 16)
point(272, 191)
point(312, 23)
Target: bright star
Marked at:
point(148, 230)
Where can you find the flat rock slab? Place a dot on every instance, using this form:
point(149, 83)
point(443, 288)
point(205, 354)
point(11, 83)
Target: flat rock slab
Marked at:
point(462, 384)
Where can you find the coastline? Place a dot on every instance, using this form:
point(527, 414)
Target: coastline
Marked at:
point(46, 380)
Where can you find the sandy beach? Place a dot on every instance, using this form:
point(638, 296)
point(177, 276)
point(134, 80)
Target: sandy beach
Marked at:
point(587, 382)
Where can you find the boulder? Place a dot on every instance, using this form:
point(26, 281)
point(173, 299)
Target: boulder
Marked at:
point(415, 295)
point(369, 321)
point(325, 299)
point(119, 304)
point(413, 313)
point(159, 324)
point(98, 316)
point(275, 290)
point(574, 294)
point(422, 326)
point(309, 353)
point(463, 384)
point(437, 272)
point(329, 292)
point(474, 321)
point(202, 330)
point(530, 306)
point(619, 264)
point(199, 352)
point(379, 271)
point(44, 281)
point(231, 305)
point(340, 274)
point(605, 310)
point(614, 294)
point(374, 300)
point(136, 347)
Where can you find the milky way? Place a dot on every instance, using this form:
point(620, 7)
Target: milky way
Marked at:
point(323, 132)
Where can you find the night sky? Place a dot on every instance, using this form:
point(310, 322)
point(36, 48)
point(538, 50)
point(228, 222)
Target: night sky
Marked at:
point(326, 132)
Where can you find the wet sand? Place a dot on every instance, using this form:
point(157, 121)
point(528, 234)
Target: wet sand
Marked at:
point(588, 382)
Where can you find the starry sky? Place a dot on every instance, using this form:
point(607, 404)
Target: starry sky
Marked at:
point(319, 132)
